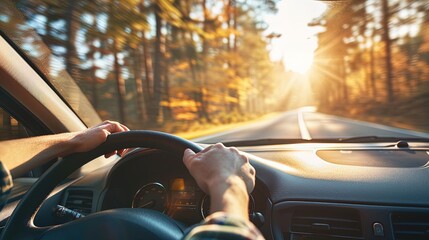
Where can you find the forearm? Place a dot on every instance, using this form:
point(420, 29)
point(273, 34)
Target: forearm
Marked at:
point(22, 154)
point(227, 176)
point(230, 197)
point(230, 217)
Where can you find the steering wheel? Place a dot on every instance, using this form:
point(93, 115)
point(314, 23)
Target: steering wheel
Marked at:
point(110, 224)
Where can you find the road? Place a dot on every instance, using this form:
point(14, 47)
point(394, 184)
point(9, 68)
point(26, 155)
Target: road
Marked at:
point(306, 123)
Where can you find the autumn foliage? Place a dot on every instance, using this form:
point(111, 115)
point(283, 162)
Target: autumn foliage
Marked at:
point(372, 61)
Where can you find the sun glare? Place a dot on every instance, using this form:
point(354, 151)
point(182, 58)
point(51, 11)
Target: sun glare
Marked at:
point(296, 45)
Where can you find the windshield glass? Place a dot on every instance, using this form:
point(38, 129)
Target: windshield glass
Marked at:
point(235, 70)
point(24, 34)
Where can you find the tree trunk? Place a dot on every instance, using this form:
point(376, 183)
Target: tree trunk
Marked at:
point(93, 70)
point(234, 47)
point(409, 58)
point(388, 50)
point(167, 114)
point(157, 62)
point(120, 84)
point(372, 67)
point(204, 102)
point(191, 56)
point(72, 25)
point(139, 84)
point(228, 22)
point(231, 48)
point(367, 67)
point(235, 24)
point(196, 87)
point(47, 38)
point(147, 81)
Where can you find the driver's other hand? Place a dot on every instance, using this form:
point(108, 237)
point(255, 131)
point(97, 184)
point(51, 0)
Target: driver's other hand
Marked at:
point(92, 137)
point(214, 165)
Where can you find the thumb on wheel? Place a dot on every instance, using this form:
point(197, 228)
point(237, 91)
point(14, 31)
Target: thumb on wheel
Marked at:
point(187, 156)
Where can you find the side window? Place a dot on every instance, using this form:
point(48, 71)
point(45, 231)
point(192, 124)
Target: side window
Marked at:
point(10, 128)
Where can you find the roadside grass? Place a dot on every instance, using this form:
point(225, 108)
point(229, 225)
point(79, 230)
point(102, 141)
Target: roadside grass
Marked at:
point(210, 129)
point(194, 129)
point(406, 112)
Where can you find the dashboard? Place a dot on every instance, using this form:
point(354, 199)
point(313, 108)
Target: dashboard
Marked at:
point(160, 182)
point(302, 191)
point(154, 180)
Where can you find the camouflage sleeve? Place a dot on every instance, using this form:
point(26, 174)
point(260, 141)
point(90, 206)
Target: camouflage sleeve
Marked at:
point(222, 226)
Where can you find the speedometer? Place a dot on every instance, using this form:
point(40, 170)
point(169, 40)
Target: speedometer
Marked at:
point(152, 196)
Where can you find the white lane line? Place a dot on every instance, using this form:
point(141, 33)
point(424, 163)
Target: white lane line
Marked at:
point(305, 134)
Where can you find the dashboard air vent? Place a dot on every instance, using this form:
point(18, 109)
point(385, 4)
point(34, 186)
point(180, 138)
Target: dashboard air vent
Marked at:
point(79, 201)
point(407, 226)
point(325, 223)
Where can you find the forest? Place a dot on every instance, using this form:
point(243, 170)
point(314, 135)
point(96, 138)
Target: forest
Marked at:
point(159, 64)
point(177, 64)
point(372, 61)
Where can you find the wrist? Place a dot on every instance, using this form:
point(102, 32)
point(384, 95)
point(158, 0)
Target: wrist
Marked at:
point(229, 195)
point(68, 145)
point(220, 185)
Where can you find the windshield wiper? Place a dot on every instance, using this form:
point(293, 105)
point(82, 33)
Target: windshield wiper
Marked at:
point(361, 139)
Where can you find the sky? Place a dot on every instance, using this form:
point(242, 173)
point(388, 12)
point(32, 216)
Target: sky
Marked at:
point(298, 41)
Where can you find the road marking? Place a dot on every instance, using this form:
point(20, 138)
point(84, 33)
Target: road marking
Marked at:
point(305, 134)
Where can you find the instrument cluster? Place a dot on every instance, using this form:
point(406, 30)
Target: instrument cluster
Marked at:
point(180, 198)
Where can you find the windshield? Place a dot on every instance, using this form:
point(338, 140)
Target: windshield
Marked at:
point(235, 70)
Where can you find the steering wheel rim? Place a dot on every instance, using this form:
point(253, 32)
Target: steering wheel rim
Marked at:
point(20, 224)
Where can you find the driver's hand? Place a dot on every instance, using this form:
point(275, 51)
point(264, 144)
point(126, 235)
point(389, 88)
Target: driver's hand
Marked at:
point(214, 165)
point(94, 136)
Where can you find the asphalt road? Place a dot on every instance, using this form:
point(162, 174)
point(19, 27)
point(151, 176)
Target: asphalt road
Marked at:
point(306, 123)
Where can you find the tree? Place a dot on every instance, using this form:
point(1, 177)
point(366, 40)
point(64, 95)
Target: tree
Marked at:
point(388, 51)
point(192, 64)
